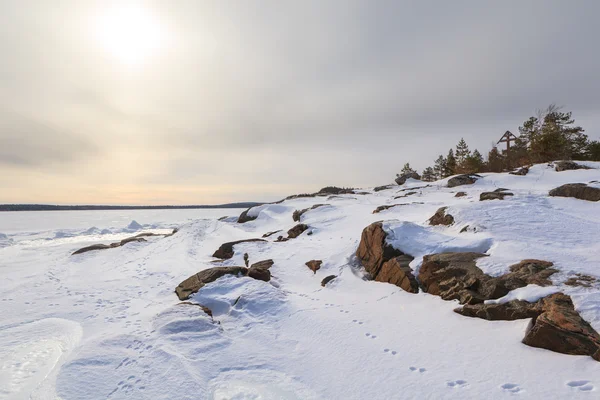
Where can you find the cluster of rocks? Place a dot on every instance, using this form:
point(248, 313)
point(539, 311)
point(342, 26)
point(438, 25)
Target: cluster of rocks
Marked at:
point(191, 285)
point(137, 238)
point(441, 218)
point(556, 325)
point(498, 194)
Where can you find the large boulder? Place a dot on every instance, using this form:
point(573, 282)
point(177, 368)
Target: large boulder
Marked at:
point(441, 218)
point(244, 217)
point(398, 272)
point(195, 282)
point(260, 270)
point(579, 191)
point(560, 328)
point(383, 262)
point(225, 252)
point(401, 179)
point(568, 166)
point(460, 180)
point(298, 213)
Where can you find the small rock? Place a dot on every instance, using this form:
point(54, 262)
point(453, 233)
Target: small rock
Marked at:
point(460, 194)
point(328, 279)
point(195, 282)
point(298, 213)
point(297, 231)
point(266, 235)
point(495, 195)
point(466, 179)
point(314, 265)
point(225, 252)
point(521, 171)
point(441, 218)
point(380, 188)
point(581, 280)
point(260, 270)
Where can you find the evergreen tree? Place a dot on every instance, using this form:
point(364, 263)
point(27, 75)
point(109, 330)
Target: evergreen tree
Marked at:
point(495, 160)
point(474, 163)
point(407, 169)
point(439, 167)
point(462, 153)
point(450, 164)
point(428, 175)
point(592, 151)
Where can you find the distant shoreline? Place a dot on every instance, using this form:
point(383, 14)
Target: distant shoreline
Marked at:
point(49, 207)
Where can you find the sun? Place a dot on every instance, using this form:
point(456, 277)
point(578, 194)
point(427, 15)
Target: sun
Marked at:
point(129, 33)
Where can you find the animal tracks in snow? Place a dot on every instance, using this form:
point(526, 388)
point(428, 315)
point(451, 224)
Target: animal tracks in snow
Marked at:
point(415, 369)
point(581, 385)
point(511, 388)
point(458, 384)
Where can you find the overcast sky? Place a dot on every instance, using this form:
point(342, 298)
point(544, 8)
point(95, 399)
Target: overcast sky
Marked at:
point(254, 100)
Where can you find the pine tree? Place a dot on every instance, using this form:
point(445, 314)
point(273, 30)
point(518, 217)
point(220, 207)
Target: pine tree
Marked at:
point(474, 163)
point(495, 160)
point(450, 164)
point(592, 151)
point(407, 169)
point(440, 167)
point(428, 175)
point(462, 152)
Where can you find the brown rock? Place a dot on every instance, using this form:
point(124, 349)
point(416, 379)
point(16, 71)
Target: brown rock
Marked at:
point(260, 270)
point(373, 251)
point(298, 213)
point(579, 191)
point(495, 195)
point(266, 235)
point(383, 208)
point(529, 272)
point(327, 279)
point(509, 311)
point(441, 218)
point(195, 282)
point(401, 179)
point(244, 217)
point(203, 308)
point(91, 248)
point(297, 231)
point(225, 252)
point(561, 329)
point(397, 272)
point(460, 194)
point(521, 171)
point(132, 239)
point(314, 265)
point(581, 280)
point(568, 165)
point(466, 179)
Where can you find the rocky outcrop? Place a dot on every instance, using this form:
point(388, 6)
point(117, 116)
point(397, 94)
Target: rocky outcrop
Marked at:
point(314, 265)
point(328, 190)
point(401, 179)
point(561, 329)
point(404, 195)
point(297, 231)
point(441, 218)
point(195, 282)
point(327, 279)
point(460, 180)
point(568, 166)
point(455, 276)
point(521, 171)
point(460, 194)
point(498, 194)
point(244, 217)
point(137, 238)
point(398, 272)
point(380, 188)
point(298, 213)
point(260, 270)
point(555, 325)
point(581, 280)
point(225, 252)
point(387, 207)
point(266, 235)
point(579, 191)
point(383, 262)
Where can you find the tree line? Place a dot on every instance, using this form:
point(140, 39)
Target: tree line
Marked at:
point(548, 136)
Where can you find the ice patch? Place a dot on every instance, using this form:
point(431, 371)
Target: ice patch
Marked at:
point(92, 231)
point(134, 226)
point(529, 293)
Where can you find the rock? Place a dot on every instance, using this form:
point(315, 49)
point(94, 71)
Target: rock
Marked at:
point(244, 217)
point(206, 310)
point(529, 272)
point(455, 276)
point(579, 191)
point(581, 280)
point(398, 272)
point(373, 251)
point(266, 235)
point(401, 179)
point(297, 231)
point(225, 252)
point(281, 239)
point(298, 213)
point(568, 165)
point(521, 171)
point(175, 230)
point(91, 248)
point(328, 279)
point(334, 190)
point(561, 329)
point(441, 218)
point(509, 311)
point(466, 179)
point(405, 195)
point(460, 194)
point(195, 282)
point(495, 195)
point(260, 270)
point(132, 239)
point(380, 188)
point(383, 208)
point(464, 229)
point(314, 265)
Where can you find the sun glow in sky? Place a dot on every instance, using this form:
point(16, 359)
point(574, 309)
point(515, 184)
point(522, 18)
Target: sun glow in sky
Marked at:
point(129, 33)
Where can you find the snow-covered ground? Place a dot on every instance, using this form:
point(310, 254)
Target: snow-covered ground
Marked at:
point(107, 324)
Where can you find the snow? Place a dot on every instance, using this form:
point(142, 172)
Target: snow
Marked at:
point(530, 293)
point(106, 324)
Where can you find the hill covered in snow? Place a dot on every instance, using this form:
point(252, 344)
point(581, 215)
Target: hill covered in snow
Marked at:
point(470, 287)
